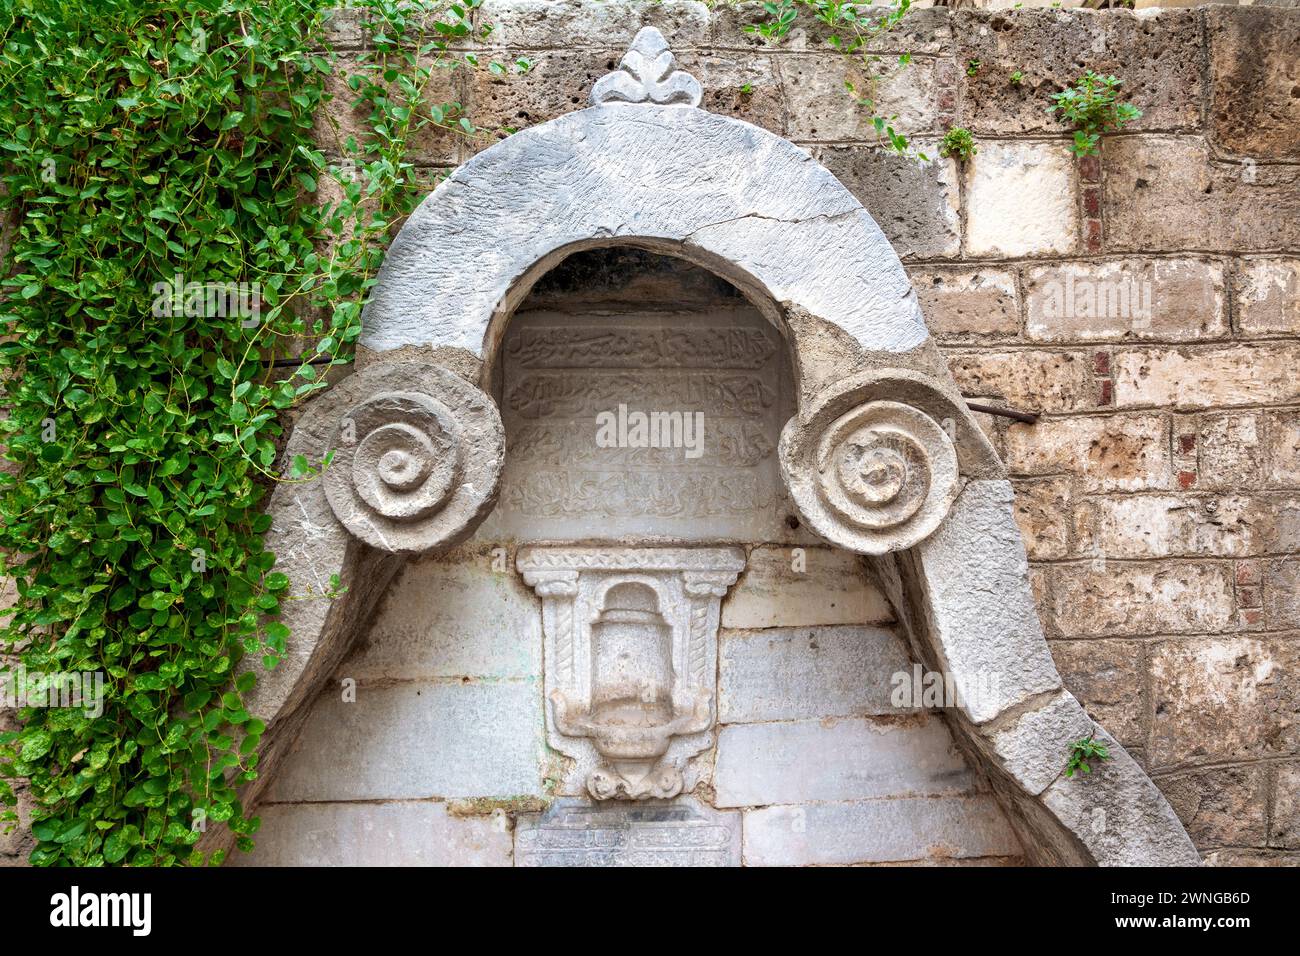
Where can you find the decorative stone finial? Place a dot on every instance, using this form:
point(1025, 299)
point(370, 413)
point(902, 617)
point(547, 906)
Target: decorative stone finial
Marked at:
point(647, 74)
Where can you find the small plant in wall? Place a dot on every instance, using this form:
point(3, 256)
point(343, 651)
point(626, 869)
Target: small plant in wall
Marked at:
point(1094, 105)
point(1081, 751)
point(958, 143)
point(854, 29)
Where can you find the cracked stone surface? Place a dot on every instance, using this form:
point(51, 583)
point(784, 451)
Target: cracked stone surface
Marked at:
point(683, 181)
point(979, 605)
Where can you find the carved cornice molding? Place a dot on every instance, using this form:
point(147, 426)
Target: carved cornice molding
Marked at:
point(721, 560)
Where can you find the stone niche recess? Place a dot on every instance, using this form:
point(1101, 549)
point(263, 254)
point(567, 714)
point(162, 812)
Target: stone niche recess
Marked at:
point(643, 399)
point(659, 518)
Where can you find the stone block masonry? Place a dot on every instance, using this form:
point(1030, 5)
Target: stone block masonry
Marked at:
point(1146, 302)
point(436, 755)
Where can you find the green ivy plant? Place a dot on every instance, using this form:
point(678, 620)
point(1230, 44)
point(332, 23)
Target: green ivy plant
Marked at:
point(959, 143)
point(855, 28)
point(1094, 105)
point(1081, 751)
point(151, 153)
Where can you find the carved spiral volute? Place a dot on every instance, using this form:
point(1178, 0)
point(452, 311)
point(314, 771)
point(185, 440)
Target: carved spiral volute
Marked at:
point(879, 477)
point(407, 459)
point(417, 458)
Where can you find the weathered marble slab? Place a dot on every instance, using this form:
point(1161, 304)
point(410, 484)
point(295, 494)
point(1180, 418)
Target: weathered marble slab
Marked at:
point(681, 832)
point(409, 833)
point(417, 740)
point(801, 587)
point(800, 673)
point(813, 761)
point(940, 829)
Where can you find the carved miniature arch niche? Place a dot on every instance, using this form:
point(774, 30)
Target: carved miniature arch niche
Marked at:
point(882, 458)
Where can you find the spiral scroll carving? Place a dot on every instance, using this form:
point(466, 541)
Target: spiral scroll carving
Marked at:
point(417, 458)
point(879, 478)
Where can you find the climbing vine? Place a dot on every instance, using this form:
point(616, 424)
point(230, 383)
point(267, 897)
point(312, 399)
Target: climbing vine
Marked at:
point(184, 264)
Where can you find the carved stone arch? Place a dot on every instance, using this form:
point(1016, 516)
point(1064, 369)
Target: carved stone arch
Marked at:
point(714, 190)
point(882, 457)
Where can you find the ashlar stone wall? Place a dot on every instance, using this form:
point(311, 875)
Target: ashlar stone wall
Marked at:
point(441, 758)
point(1159, 493)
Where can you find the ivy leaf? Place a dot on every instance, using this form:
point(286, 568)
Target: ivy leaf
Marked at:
point(35, 745)
point(142, 417)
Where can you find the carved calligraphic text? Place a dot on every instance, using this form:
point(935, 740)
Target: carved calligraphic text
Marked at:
point(722, 370)
point(577, 833)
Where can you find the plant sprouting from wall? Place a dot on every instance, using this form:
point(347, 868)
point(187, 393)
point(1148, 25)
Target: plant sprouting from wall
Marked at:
point(854, 31)
point(1093, 104)
point(1081, 751)
point(958, 143)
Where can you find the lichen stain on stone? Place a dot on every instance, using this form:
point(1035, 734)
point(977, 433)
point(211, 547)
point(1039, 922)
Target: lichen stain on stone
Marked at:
point(1118, 455)
point(486, 806)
